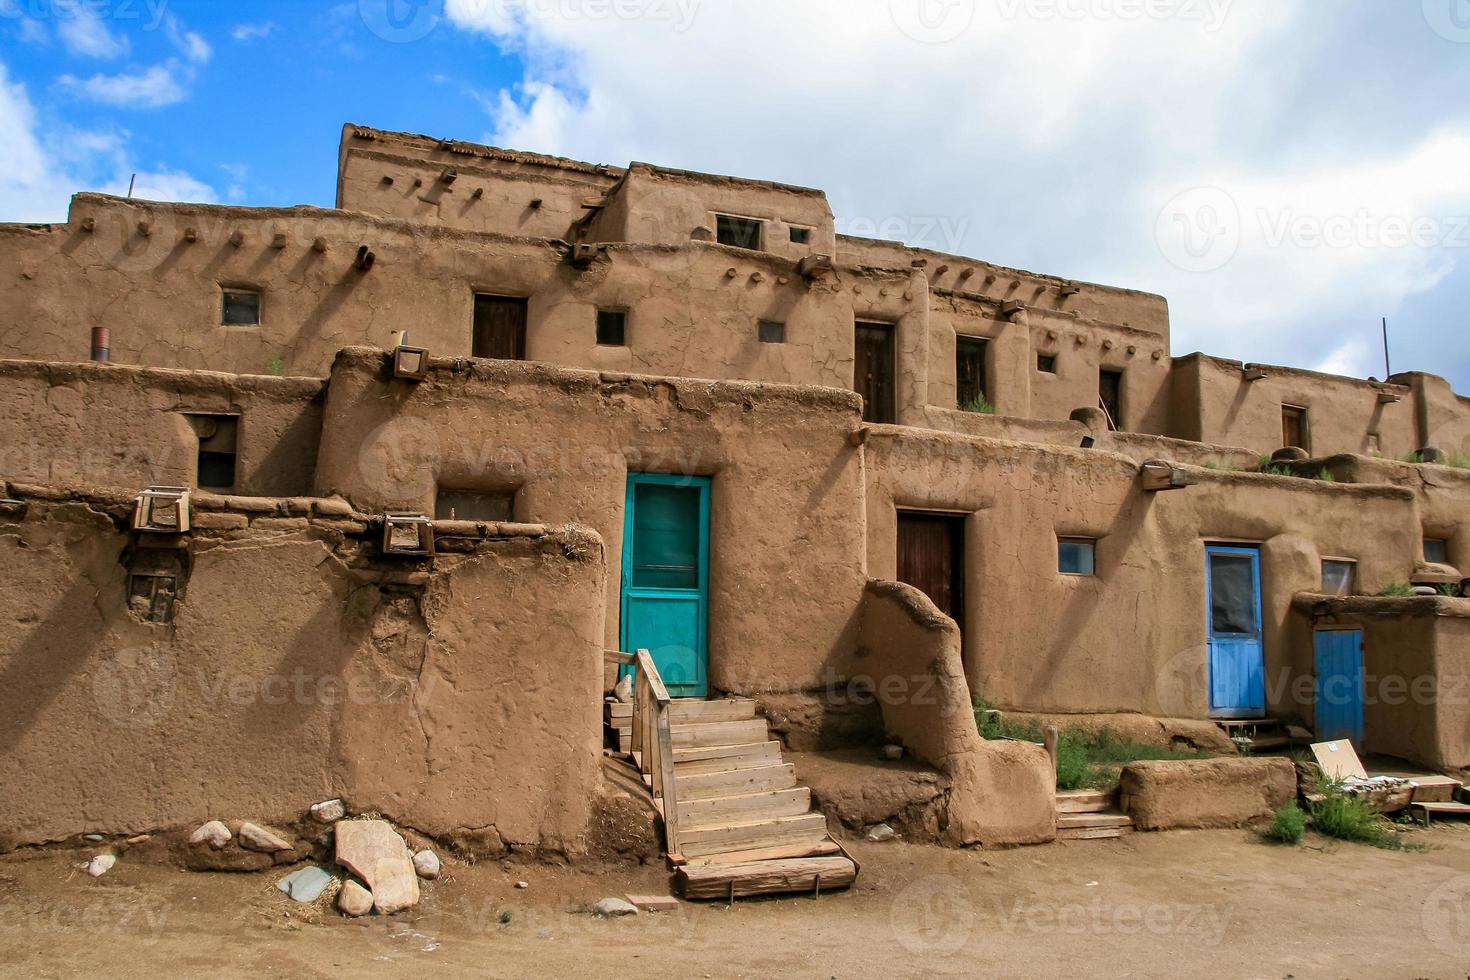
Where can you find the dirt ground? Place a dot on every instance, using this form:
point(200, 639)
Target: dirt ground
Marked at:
point(1202, 903)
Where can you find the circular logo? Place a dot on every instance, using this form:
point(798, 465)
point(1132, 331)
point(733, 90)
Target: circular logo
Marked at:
point(400, 21)
point(932, 21)
point(1182, 684)
point(1199, 230)
point(1450, 19)
point(933, 915)
point(1446, 916)
point(134, 688)
point(399, 460)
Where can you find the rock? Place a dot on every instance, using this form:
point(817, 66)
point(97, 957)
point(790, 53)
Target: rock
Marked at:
point(94, 838)
point(523, 884)
point(613, 907)
point(893, 752)
point(100, 865)
point(372, 850)
point(214, 833)
point(305, 885)
point(880, 832)
point(256, 838)
point(1206, 793)
point(139, 839)
point(354, 900)
point(329, 811)
point(426, 864)
point(624, 689)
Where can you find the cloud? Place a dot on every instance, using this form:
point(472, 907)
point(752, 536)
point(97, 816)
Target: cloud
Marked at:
point(84, 34)
point(152, 88)
point(41, 175)
point(246, 33)
point(189, 44)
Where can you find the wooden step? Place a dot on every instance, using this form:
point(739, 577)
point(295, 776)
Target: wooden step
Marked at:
point(1092, 833)
point(688, 712)
point(1077, 821)
point(1426, 811)
point(1085, 801)
point(749, 835)
point(812, 874)
point(738, 782)
point(793, 802)
point(723, 758)
point(709, 733)
point(798, 850)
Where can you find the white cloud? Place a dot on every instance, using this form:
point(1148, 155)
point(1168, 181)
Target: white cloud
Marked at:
point(246, 33)
point(152, 88)
point(39, 178)
point(85, 34)
point(192, 46)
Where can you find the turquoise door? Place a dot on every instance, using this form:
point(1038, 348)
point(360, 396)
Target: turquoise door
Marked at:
point(1339, 685)
point(666, 577)
point(1237, 656)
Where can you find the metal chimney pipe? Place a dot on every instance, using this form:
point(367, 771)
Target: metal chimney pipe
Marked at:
point(101, 345)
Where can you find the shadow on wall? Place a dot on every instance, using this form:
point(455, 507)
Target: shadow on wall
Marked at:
point(1002, 793)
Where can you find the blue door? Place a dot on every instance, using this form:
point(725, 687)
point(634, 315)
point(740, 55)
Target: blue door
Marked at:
point(666, 577)
point(1237, 657)
point(1339, 685)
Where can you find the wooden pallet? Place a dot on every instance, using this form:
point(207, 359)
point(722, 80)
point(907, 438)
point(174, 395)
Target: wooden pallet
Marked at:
point(1090, 815)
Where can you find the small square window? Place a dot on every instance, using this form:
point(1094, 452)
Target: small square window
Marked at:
point(1046, 363)
point(740, 232)
point(1437, 551)
point(1076, 556)
point(612, 328)
point(241, 308)
point(218, 436)
point(772, 332)
point(801, 236)
point(1338, 576)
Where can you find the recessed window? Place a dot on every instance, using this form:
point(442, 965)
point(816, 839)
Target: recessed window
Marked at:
point(241, 308)
point(499, 328)
point(1338, 576)
point(612, 328)
point(1294, 429)
point(474, 505)
point(772, 332)
point(1076, 556)
point(1437, 551)
point(740, 232)
point(801, 236)
point(1110, 396)
point(218, 435)
point(1046, 363)
point(969, 374)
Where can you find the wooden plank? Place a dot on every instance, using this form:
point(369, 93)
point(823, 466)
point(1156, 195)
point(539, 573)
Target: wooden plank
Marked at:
point(1434, 789)
point(1083, 806)
point(721, 733)
point(667, 783)
point(1093, 833)
point(741, 782)
point(653, 903)
point(617, 657)
point(766, 877)
point(754, 806)
point(817, 849)
point(1072, 821)
point(689, 711)
point(746, 836)
point(731, 758)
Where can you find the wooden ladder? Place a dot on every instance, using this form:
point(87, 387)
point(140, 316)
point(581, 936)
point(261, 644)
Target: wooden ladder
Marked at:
point(735, 821)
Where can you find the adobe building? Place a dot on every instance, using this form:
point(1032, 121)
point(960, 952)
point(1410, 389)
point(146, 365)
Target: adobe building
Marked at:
point(855, 485)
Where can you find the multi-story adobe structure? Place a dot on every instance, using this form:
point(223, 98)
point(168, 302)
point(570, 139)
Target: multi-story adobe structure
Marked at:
point(757, 427)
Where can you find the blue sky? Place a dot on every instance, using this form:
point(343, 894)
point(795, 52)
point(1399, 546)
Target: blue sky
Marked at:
point(1284, 171)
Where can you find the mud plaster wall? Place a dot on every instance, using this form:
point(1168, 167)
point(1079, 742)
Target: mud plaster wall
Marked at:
point(1416, 666)
point(1132, 637)
point(468, 711)
point(121, 426)
point(787, 539)
point(1442, 496)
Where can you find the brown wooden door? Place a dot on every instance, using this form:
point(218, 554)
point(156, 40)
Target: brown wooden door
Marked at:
point(1294, 427)
point(500, 327)
point(931, 558)
point(873, 371)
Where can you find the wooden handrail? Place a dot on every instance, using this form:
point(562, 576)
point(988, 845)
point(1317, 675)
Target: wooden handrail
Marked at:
point(653, 743)
point(617, 657)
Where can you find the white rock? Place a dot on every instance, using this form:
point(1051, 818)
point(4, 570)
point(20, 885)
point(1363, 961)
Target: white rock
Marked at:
point(256, 838)
point(372, 850)
point(523, 884)
point(329, 811)
point(214, 833)
point(880, 832)
point(893, 752)
point(354, 900)
point(612, 907)
point(100, 865)
point(426, 863)
point(624, 689)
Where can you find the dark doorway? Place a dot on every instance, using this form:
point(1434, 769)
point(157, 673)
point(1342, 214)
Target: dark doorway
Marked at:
point(931, 558)
point(500, 327)
point(873, 371)
point(969, 373)
point(1294, 427)
point(1110, 396)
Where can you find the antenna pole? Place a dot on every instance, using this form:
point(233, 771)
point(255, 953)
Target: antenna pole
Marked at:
point(1386, 369)
point(131, 184)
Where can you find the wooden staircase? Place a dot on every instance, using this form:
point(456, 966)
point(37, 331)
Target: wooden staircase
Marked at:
point(736, 822)
point(1090, 814)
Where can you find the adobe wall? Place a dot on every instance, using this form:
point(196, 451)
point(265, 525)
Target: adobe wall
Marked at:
point(1441, 492)
point(1132, 637)
point(459, 698)
point(1416, 666)
point(123, 426)
point(1215, 403)
point(787, 540)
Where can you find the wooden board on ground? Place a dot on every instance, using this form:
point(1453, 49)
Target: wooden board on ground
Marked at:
point(1338, 760)
point(799, 850)
point(766, 877)
point(653, 903)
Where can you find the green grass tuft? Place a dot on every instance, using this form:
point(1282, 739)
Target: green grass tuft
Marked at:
point(1346, 817)
point(1287, 825)
point(979, 405)
point(1396, 590)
